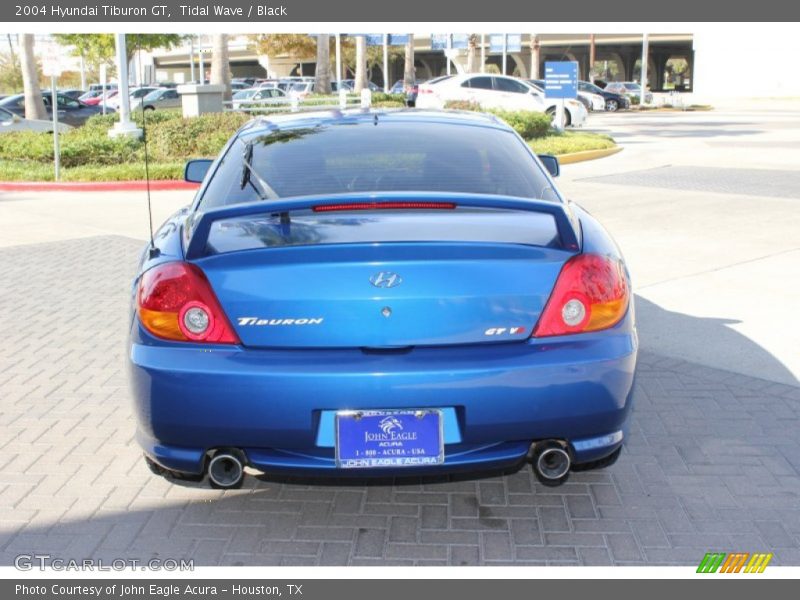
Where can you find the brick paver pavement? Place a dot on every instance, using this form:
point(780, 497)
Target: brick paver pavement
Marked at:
point(712, 462)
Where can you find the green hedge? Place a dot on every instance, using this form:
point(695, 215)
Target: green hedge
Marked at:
point(170, 138)
point(529, 124)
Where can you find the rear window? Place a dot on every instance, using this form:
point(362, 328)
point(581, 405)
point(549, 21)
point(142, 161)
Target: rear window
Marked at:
point(390, 156)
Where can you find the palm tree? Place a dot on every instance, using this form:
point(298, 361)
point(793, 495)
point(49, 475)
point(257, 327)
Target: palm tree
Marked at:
point(34, 104)
point(322, 76)
point(409, 71)
point(361, 63)
point(535, 57)
point(472, 53)
point(220, 63)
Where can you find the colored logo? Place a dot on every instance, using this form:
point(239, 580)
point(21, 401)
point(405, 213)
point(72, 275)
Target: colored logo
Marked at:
point(736, 562)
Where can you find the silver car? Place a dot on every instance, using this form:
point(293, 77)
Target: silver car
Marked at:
point(160, 98)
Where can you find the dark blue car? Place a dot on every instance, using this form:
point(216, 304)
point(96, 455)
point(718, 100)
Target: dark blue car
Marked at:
point(380, 293)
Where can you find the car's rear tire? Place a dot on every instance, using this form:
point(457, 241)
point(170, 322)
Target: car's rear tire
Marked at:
point(612, 105)
point(149, 107)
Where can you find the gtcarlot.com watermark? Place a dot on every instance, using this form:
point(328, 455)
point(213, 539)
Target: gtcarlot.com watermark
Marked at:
point(29, 562)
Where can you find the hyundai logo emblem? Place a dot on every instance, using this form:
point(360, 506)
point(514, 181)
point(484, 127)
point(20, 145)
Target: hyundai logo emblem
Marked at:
point(386, 279)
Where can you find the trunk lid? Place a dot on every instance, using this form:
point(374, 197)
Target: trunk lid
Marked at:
point(388, 280)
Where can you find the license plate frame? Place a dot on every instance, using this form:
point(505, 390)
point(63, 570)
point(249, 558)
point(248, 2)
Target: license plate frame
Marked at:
point(390, 443)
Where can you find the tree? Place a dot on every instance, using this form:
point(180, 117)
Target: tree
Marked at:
point(322, 75)
point(98, 48)
point(409, 71)
point(220, 63)
point(297, 45)
point(361, 63)
point(34, 103)
point(472, 53)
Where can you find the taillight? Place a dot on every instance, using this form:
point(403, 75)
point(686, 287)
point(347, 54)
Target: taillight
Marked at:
point(591, 293)
point(176, 302)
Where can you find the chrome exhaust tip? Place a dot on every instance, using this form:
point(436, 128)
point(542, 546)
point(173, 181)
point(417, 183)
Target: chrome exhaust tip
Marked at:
point(551, 463)
point(226, 470)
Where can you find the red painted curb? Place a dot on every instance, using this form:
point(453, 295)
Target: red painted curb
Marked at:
point(95, 186)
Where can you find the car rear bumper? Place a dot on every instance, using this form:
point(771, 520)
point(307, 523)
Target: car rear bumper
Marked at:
point(276, 405)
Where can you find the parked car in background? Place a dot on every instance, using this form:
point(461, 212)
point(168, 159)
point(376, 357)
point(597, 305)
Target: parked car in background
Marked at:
point(614, 102)
point(72, 93)
point(258, 97)
point(10, 122)
point(70, 111)
point(237, 86)
point(630, 88)
point(101, 98)
point(374, 87)
point(135, 94)
point(411, 92)
point(300, 89)
point(592, 102)
point(496, 91)
point(159, 98)
point(248, 82)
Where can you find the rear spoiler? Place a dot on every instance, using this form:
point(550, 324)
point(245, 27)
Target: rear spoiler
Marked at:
point(198, 225)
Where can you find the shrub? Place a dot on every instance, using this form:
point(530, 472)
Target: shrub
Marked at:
point(529, 124)
point(378, 97)
point(388, 104)
point(463, 105)
point(182, 138)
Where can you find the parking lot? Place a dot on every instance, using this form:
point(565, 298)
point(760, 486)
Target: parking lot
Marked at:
point(705, 207)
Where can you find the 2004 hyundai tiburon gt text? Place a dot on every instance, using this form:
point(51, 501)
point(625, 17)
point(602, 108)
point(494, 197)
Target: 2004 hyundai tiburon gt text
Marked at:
point(380, 293)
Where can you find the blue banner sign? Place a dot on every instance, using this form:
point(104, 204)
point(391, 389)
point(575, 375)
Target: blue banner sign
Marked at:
point(374, 39)
point(460, 40)
point(561, 79)
point(439, 41)
point(398, 39)
point(513, 42)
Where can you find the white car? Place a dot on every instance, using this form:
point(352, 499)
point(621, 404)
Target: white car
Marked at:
point(10, 122)
point(495, 91)
point(258, 97)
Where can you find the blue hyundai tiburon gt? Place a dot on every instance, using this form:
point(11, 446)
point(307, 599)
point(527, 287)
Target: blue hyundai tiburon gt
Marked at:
point(380, 293)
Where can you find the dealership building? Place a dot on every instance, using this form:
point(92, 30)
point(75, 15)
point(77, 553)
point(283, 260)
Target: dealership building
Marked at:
point(712, 62)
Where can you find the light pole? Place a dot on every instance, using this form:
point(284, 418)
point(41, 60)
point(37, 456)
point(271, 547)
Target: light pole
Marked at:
point(125, 126)
point(645, 48)
point(386, 63)
point(191, 59)
point(505, 51)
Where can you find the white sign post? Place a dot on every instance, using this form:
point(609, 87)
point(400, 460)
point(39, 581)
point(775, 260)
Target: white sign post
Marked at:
point(53, 63)
point(103, 83)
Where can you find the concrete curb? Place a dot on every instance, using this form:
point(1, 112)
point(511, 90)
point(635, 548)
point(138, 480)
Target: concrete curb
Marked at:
point(576, 157)
point(94, 186)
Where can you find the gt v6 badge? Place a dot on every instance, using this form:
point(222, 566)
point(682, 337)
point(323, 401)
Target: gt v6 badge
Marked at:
point(258, 321)
point(504, 331)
